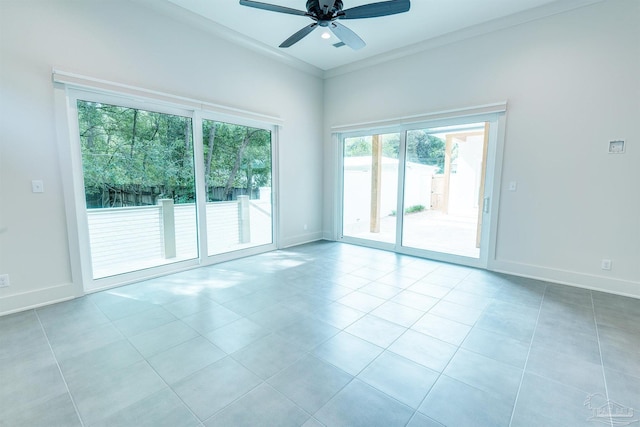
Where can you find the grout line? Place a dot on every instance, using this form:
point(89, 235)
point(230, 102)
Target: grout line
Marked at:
point(526, 362)
point(165, 382)
point(308, 352)
point(144, 358)
point(64, 380)
point(604, 375)
point(262, 382)
point(384, 349)
point(441, 373)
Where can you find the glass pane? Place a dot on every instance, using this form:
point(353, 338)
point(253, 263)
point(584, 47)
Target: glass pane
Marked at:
point(443, 188)
point(370, 191)
point(139, 187)
point(238, 186)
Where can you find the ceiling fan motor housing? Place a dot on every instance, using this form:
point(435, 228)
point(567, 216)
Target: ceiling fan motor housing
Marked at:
point(313, 7)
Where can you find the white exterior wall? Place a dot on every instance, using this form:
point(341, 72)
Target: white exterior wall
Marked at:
point(572, 84)
point(357, 188)
point(133, 43)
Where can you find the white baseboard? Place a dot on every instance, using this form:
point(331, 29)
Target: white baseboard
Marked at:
point(300, 239)
point(54, 294)
point(38, 298)
point(327, 235)
point(627, 288)
point(593, 282)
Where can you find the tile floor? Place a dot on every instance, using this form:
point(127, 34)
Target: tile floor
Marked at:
point(324, 334)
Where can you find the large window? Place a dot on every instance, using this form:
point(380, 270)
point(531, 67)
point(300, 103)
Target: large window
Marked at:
point(237, 170)
point(422, 188)
point(155, 184)
point(370, 172)
point(139, 187)
point(444, 189)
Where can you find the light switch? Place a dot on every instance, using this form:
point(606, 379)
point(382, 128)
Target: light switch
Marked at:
point(37, 186)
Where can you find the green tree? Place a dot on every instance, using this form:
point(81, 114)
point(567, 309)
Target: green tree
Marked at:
point(126, 151)
point(236, 157)
point(356, 147)
point(362, 146)
point(427, 149)
point(422, 148)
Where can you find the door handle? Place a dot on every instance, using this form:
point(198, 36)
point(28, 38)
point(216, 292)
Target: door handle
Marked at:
point(486, 205)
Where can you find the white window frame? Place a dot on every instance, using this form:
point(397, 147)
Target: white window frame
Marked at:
point(68, 89)
point(201, 197)
point(494, 114)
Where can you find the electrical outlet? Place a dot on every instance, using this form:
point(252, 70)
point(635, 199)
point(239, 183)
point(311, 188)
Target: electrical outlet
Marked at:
point(4, 280)
point(606, 264)
point(37, 186)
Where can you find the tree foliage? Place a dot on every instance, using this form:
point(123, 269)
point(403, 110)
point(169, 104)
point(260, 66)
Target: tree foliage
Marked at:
point(428, 149)
point(132, 157)
point(363, 146)
point(235, 157)
point(422, 147)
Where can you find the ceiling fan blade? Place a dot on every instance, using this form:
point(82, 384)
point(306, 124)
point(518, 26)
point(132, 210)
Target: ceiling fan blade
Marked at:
point(299, 35)
point(272, 7)
point(374, 10)
point(347, 36)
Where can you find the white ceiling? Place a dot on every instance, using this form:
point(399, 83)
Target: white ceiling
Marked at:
point(427, 20)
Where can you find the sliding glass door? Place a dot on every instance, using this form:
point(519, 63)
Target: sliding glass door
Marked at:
point(420, 189)
point(370, 191)
point(237, 172)
point(158, 188)
point(139, 187)
point(444, 189)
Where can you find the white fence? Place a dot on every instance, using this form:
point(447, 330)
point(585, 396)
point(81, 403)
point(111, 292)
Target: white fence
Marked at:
point(357, 190)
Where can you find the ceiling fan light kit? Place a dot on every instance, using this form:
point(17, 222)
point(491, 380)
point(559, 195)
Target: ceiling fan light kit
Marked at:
point(326, 13)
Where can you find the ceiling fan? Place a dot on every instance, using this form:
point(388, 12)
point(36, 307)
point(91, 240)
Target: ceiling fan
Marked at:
point(325, 13)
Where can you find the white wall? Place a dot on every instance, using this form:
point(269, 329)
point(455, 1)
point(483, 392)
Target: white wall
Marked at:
point(572, 82)
point(131, 43)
